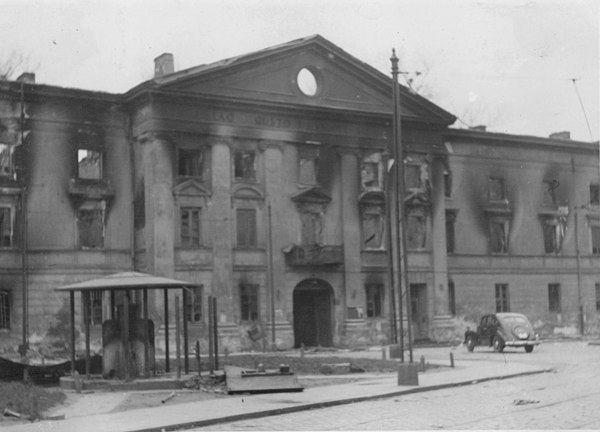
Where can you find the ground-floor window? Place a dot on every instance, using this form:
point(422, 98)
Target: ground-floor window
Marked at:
point(451, 298)
point(95, 304)
point(4, 309)
point(374, 300)
point(502, 301)
point(249, 302)
point(597, 296)
point(554, 297)
point(193, 311)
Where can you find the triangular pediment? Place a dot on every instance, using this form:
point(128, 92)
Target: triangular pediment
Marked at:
point(271, 75)
point(190, 187)
point(247, 192)
point(313, 196)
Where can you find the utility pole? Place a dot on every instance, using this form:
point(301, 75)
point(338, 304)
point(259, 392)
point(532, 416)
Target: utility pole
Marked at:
point(271, 287)
point(399, 209)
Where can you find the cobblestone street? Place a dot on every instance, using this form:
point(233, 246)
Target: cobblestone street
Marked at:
point(567, 398)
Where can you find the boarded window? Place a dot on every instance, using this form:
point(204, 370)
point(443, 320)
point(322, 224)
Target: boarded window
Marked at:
point(4, 309)
point(554, 297)
point(244, 165)
point(6, 160)
point(595, 194)
point(415, 231)
point(190, 162)
point(307, 170)
point(89, 164)
point(374, 300)
point(90, 224)
point(595, 240)
point(190, 231)
point(372, 227)
point(6, 227)
point(312, 226)
point(246, 228)
point(193, 312)
point(502, 301)
point(495, 189)
point(249, 302)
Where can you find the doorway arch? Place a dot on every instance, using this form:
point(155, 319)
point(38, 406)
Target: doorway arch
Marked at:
point(313, 313)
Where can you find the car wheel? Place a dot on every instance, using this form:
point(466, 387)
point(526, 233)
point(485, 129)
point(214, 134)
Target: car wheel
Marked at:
point(470, 343)
point(528, 348)
point(498, 344)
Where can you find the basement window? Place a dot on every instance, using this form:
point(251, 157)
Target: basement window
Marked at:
point(4, 309)
point(502, 301)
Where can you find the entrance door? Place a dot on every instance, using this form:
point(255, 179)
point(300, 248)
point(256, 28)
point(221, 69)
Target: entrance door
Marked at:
point(418, 298)
point(312, 314)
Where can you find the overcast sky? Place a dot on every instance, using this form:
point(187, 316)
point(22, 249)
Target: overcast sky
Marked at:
point(505, 63)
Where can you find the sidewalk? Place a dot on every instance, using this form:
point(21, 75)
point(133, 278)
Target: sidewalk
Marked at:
point(204, 413)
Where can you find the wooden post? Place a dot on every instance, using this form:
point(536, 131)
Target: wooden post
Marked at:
point(126, 334)
point(177, 337)
point(186, 363)
point(166, 313)
point(86, 315)
point(72, 307)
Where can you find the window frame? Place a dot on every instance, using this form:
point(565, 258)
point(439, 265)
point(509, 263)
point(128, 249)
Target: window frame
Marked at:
point(491, 190)
point(235, 160)
point(199, 154)
point(187, 240)
point(11, 221)
point(102, 215)
point(5, 309)
point(554, 297)
point(595, 235)
point(246, 239)
point(594, 194)
point(374, 299)
point(377, 213)
point(101, 163)
point(249, 302)
point(502, 297)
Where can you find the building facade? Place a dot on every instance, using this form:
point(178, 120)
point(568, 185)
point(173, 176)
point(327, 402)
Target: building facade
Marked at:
point(263, 179)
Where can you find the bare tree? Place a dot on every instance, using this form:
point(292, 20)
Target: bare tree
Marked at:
point(12, 62)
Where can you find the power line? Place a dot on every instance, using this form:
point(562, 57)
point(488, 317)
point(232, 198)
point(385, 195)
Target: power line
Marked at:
point(582, 108)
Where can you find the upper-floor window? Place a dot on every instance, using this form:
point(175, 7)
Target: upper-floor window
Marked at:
point(374, 296)
point(502, 300)
point(371, 171)
point(90, 223)
point(595, 231)
point(447, 184)
point(308, 169)
point(595, 194)
point(496, 189)
point(244, 165)
point(249, 302)
point(246, 228)
point(372, 226)
point(6, 227)
point(193, 311)
point(312, 227)
point(412, 176)
point(190, 162)
point(499, 235)
point(6, 161)
point(4, 309)
point(549, 193)
point(416, 230)
point(190, 228)
point(89, 164)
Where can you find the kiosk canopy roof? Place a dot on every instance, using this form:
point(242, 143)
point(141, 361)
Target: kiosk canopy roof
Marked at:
point(126, 280)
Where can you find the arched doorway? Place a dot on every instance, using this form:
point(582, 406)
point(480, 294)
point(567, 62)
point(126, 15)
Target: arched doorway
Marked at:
point(313, 304)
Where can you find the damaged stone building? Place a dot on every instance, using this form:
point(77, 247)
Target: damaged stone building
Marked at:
point(263, 180)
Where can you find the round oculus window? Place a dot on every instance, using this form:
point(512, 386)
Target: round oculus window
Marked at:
point(307, 82)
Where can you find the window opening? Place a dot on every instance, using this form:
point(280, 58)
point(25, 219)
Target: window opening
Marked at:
point(244, 165)
point(554, 297)
point(312, 226)
point(450, 231)
point(190, 227)
point(89, 164)
point(594, 194)
point(374, 300)
point(4, 309)
point(249, 302)
point(499, 236)
point(597, 296)
point(451, 298)
point(372, 227)
point(595, 240)
point(307, 170)
point(6, 227)
point(6, 161)
point(91, 228)
point(415, 231)
point(246, 228)
point(502, 301)
point(496, 189)
point(190, 162)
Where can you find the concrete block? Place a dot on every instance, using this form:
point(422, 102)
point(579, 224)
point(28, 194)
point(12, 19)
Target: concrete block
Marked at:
point(408, 374)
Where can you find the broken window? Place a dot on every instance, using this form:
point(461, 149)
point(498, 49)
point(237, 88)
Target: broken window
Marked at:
point(372, 227)
point(246, 228)
point(193, 312)
point(496, 189)
point(4, 309)
point(89, 164)
point(554, 232)
point(502, 301)
point(499, 236)
point(190, 162)
point(374, 296)
point(549, 193)
point(595, 240)
point(594, 194)
point(190, 228)
point(554, 297)
point(370, 175)
point(312, 227)
point(415, 230)
point(249, 302)
point(6, 160)
point(6, 227)
point(307, 169)
point(244, 165)
point(450, 232)
point(90, 223)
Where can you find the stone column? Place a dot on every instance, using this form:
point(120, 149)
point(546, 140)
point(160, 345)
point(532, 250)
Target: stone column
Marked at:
point(441, 326)
point(222, 229)
point(352, 291)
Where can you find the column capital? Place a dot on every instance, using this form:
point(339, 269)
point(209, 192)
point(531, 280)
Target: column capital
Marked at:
point(150, 136)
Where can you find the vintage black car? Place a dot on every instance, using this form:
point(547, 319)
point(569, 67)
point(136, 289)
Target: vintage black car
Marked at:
point(501, 330)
